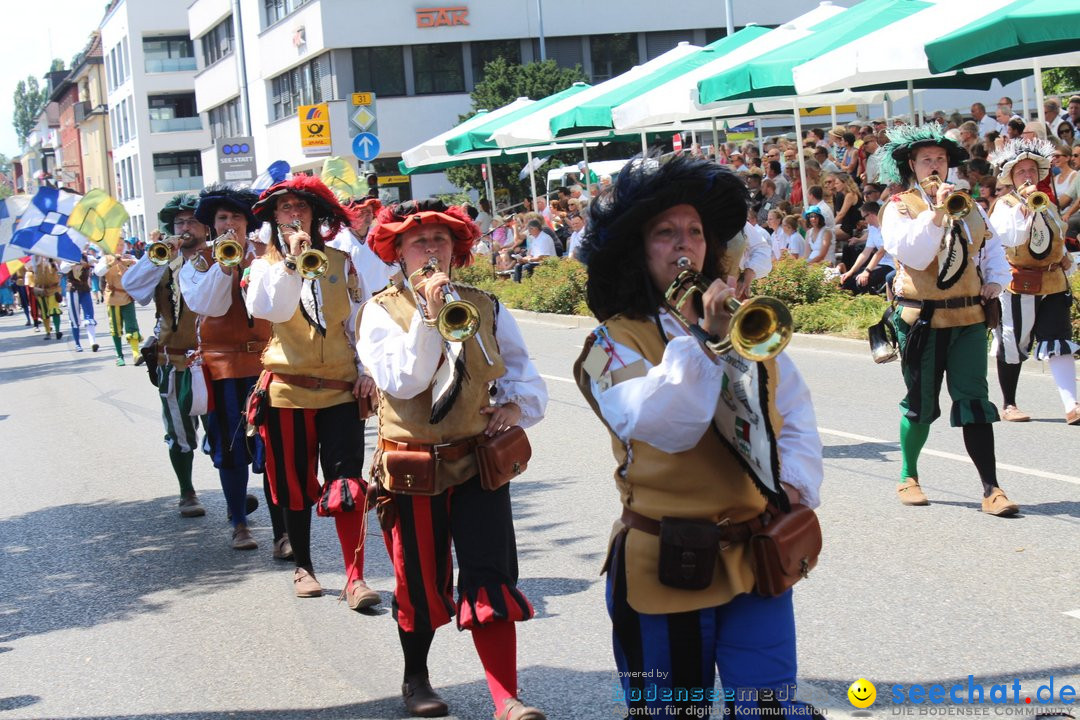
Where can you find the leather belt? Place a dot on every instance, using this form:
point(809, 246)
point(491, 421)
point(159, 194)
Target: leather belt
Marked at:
point(312, 383)
point(729, 532)
point(251, 346)
point(444, 451)
point(949, 304)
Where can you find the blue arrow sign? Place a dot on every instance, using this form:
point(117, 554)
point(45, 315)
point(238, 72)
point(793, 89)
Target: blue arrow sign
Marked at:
point(365, 146)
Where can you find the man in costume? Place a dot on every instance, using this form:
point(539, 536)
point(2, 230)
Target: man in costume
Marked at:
point(1035, 310)
point(311, 379)
point(47, 292)
point(122, 320)
point(374, 273)
point(439, 400)
point(231, 344)
point(80, 302)
point(175, 332)
point(702, 441)
point(949, 267)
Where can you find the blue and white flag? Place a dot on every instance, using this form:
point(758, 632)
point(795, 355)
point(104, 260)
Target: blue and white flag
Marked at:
point(11, 209)
point(279, 170)
point(42, 229)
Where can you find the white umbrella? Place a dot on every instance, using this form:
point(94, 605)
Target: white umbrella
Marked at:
point(434, 150)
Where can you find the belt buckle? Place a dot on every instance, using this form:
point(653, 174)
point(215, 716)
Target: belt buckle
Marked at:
point(435, 449)
point(318, 384)
point(724, 545)
point(251, 346)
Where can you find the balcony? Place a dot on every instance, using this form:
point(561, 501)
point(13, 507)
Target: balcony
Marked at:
point(181, 124)
point(178, 184)
point(177, 64)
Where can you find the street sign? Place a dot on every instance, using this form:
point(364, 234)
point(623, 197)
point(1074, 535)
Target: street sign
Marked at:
point(363, 116)
point(393, 180)
point(363, 98)
point(314, 129)
point(676, 142)
point(236, 160)
point(365, 146)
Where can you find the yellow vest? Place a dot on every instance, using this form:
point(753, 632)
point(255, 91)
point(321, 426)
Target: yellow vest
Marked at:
point(705, 482)
point(922, 284)
point(1020, 256)
point(408, 420)
point(47, 277)
point(297, 348)
point(115, 295)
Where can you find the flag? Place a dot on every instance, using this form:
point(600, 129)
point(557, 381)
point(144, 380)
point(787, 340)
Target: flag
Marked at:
point(742, 429)
point(11, 209)
point(339, 176)
point(532, 167)
point(100, 218)
point(10, 267)
point(278, 171)
point(43, 229)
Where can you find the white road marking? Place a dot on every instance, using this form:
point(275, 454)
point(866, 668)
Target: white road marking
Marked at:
point(926, 451)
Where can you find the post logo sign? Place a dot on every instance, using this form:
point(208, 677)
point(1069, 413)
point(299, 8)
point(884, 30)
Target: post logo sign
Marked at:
point(314, 129)
point(442, 16)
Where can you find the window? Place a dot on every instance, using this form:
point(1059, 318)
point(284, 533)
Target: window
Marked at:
point(304, 85)
point(438, 68)
point(380, 70)
point(126, 131)
point(111, 70)
point(613, 55)
point(217, 43)
point(171, 113)
point(485, 52)
point(177, 172)
point(565, 51)
point(125, 71)
point(277, 9)
point(658, 43)
point(168, 54)
point(136, 187)
point(225, 120)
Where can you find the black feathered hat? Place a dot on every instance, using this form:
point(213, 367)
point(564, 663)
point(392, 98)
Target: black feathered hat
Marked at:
point(613, 248)
point(218, 195)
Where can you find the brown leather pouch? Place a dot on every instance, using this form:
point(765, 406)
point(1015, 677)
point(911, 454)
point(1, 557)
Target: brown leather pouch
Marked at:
point(785, 550)
point(992, 308)
point(503, 457)
point(411, 472)
point(366, 406)
point(1026, 281)
point(688, 550)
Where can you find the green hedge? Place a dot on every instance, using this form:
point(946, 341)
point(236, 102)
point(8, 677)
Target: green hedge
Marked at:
point(556, 286)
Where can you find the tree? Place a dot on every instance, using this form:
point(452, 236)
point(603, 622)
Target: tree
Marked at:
point(30, 100)
point(503, 83)
point(1061, 80)
point(57, 64)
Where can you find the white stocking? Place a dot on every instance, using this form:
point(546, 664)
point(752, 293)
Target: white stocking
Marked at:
point(1063, 368)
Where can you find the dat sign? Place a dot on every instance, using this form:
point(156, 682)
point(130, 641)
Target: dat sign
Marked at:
point(440, 16)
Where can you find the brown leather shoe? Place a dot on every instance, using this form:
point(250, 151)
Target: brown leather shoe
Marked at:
point(911, 493)
point(360, 596)
point(242, 539)
point(514, 709)
point(998, 504)
point(191, 507)
point(283, 548)
point(305, 584)
point(1011, 413)
point(1073, 416)
point(420, 699)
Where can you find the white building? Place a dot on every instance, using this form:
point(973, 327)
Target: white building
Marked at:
point(157, 133)
point(421, 60)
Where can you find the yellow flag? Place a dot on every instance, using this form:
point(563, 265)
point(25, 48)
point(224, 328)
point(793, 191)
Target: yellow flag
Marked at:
point(100, 218)
point(339, 176)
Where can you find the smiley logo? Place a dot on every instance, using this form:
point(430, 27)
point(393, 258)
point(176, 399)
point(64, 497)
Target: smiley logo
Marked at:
point(862, 693)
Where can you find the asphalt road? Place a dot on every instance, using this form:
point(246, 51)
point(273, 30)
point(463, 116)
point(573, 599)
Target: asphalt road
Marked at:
point(112, 606)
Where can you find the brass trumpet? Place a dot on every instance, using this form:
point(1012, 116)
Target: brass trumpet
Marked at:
point(1037, 201)
point(312, 263)
point(227, 250)
point(458, 319)
point(161, 252)
point(760, 328)
point(957, 204)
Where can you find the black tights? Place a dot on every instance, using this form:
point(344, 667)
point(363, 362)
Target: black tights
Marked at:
point(298, 525)
point(979, 441)
point(277, 519)
point(415, 647)
point(1009, 378)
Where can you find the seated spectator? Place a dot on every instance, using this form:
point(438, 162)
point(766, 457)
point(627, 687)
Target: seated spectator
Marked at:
point(873, 264)
point(769, 200)
point(737, 163)
point(1066, 180)
point(538, 245)
point(872, 192)
point(774, 172)
point(846, 203)
point(848, 156)
point(577, 225)
point(816, 196)
point(787, 242)
point(819, 237)
point(1066, 133)
point(821, 154)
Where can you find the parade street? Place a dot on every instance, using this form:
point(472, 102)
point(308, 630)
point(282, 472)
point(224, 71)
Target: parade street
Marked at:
point(113, 606)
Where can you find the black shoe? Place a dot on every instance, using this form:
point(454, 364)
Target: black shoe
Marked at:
point(94, 347)
point(140, 360)
point(420, 699)
point(59, 334)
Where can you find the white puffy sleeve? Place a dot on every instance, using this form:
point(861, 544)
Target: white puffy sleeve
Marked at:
point(522, 383)
point(799, 443)
point(913, 241)
point(206, 293)
point(141, 278)
point(402, 363)
point(273, 294)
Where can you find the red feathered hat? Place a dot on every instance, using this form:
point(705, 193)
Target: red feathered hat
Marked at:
point(393, 221)
point(370, 203)
point(325, 208)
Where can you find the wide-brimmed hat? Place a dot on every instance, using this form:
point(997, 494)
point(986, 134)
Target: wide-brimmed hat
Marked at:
point(394, 220)
point(218, 195)
point(1019, 149)
point(325, 208)
point(181, 202)
point(814, 210)
point(904, 140)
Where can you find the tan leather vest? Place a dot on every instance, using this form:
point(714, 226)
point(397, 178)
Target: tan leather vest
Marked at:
point(922, 284)
point(705, 482)
point(47, 277)
point(1053, 281)
point(409, 420)
point(297, 348)
point(230, 345)
point(176, 327)
point(114, 290)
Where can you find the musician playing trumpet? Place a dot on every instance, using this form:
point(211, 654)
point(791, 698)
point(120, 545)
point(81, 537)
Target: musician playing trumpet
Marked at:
point(1035, 310)
point(700, 436)
point(950, 265)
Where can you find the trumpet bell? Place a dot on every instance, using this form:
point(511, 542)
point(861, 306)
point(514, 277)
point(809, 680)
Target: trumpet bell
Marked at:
point(958, 205)
point(228, 252)
point(160, 252)
point(760, 328)
point(313, 264)
point(458, 320)
point(1037, 201)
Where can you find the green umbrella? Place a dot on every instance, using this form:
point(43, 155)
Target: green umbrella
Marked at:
point(477, 137)
point(1023, 29)
point(596, 113)
point(771, 75)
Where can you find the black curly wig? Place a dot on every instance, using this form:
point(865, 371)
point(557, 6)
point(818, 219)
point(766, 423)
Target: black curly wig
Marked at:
point(613, 249)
